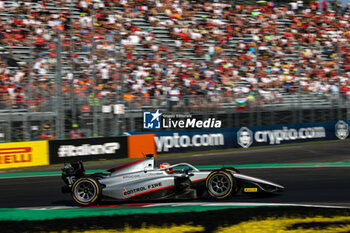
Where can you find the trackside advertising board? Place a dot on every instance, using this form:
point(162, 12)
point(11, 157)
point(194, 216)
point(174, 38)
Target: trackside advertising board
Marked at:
point(63, 151)
point(23, 154)
point(244, 137)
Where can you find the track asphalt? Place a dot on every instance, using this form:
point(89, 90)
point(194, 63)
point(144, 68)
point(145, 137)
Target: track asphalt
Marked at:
point(327, 185)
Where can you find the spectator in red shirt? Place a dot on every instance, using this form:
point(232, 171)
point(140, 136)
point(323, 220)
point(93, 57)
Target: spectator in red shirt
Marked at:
point(324, 6)
point(75, 133)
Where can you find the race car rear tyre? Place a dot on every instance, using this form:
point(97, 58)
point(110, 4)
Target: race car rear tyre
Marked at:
point(220, 184)
point(86, 191)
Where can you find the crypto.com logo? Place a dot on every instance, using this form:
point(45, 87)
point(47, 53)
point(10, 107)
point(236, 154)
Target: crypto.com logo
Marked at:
point(245, 137)
point(151, 120)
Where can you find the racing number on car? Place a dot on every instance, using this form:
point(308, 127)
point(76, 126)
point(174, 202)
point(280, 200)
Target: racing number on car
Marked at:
point(70, 180)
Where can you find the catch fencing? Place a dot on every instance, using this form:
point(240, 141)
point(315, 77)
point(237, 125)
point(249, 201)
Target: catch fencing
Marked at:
point(103, 116)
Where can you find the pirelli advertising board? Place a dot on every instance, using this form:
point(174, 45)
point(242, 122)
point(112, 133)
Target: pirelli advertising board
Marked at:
point(23, 154)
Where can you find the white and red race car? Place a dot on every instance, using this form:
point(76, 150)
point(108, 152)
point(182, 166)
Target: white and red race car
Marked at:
point(140, 180)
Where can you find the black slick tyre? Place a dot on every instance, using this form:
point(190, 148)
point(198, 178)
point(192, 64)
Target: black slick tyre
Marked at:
point(220, 184)
point(86, 191)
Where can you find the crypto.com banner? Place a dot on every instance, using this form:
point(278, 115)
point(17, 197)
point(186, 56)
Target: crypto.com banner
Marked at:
point(207, 139)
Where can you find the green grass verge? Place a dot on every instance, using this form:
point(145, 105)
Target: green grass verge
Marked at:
point(10, 214)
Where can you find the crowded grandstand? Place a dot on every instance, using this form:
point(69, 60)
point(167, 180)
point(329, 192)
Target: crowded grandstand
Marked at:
point(172, 54)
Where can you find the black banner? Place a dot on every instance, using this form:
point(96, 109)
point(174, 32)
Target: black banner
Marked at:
point(63, 151)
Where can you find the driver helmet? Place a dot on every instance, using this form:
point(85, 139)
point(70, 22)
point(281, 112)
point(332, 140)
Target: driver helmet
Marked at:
point(164, 166)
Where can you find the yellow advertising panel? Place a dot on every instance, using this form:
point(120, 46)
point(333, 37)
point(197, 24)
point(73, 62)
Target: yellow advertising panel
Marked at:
point(23, 154)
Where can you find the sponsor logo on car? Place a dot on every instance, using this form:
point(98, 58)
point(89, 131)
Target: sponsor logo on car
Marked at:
point(250, 190)
point(87, 149)
point(133, 192)
point(143, 175)
point(153, 186)
point(131, 176)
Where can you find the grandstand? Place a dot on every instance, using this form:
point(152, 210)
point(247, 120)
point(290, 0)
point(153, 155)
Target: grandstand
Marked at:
point(285, 61)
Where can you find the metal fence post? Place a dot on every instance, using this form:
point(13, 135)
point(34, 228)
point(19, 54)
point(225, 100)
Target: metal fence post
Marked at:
point(300, 111)
point(339, 112)
point(257, 76)
point(30, 85)
point(72, 90)
point(94, 81)
point(120, 97)
point(59, 101)
point(9, 128)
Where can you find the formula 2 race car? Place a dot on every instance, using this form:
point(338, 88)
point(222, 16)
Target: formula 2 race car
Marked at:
point(140, 180)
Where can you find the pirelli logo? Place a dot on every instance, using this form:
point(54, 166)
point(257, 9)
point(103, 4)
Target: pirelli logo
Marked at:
point(250, 190)
point(15, 155)
point(24, 154)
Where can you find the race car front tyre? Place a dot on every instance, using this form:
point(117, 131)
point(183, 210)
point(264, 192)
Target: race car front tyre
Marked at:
point(220, 184)
point(86, 191)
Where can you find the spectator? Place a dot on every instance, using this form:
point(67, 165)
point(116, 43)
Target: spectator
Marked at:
point(47, 133)
point(324, 6)
point(344, 89)
point(174, 99)
point(229, 47)
point(75, 133)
